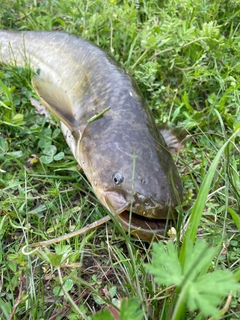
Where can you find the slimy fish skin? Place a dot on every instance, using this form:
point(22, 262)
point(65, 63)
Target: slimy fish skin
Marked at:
point(106, 123)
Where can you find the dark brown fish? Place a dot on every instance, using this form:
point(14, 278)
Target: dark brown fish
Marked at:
point(106, 123)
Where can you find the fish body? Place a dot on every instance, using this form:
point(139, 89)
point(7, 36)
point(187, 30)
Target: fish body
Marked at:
point(122, 152)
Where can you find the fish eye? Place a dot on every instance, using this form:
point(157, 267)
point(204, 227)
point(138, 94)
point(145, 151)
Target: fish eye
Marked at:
point(117, 178)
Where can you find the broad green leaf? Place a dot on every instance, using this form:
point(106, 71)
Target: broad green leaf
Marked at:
point(72, 316)
point(55, 259)
point(104, 315)
point(58, 291)
point(59, 156)
point(130, 310)
point(44, 143)
point(62, 249)
point(17, 118)
point(98, 300)
point(50, 150)
point(3, 145)
point(56, 133)
point(46, 159)
point(209, 290)
point(199, 257)
point(196, 288)
point(68, 284)
point(112, 291)
point(47, 133)
point(165, 265)
point(15, 154)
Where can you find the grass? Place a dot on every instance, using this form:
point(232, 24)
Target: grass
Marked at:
point(185, 58)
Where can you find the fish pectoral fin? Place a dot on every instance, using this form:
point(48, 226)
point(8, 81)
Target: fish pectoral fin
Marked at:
point(173, 137)
point(56, 100)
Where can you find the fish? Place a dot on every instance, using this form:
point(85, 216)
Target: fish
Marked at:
point(107, 124)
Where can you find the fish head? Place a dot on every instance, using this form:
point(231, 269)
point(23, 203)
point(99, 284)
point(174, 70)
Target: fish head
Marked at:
point(147, 190)
point(137, 175)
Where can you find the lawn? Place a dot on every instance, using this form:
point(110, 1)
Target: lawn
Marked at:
point(185, 58)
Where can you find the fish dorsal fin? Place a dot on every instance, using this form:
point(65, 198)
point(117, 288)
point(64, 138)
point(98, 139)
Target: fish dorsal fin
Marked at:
point(57, 101)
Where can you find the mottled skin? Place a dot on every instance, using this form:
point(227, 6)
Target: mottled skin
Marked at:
point(76, 81)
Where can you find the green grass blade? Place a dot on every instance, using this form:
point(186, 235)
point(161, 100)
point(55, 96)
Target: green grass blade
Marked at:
point(200, 202)
point(235, 217)
point(237, 275)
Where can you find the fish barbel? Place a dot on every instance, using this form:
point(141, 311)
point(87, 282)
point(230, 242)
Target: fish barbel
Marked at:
point(106, 123)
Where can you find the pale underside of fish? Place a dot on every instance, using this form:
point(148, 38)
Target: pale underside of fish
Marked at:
point(106, 123)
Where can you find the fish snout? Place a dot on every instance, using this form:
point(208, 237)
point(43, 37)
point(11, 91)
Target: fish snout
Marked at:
point(151, 208)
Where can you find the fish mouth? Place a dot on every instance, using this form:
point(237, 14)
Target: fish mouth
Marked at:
point(144, 228)
point(141, 226)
